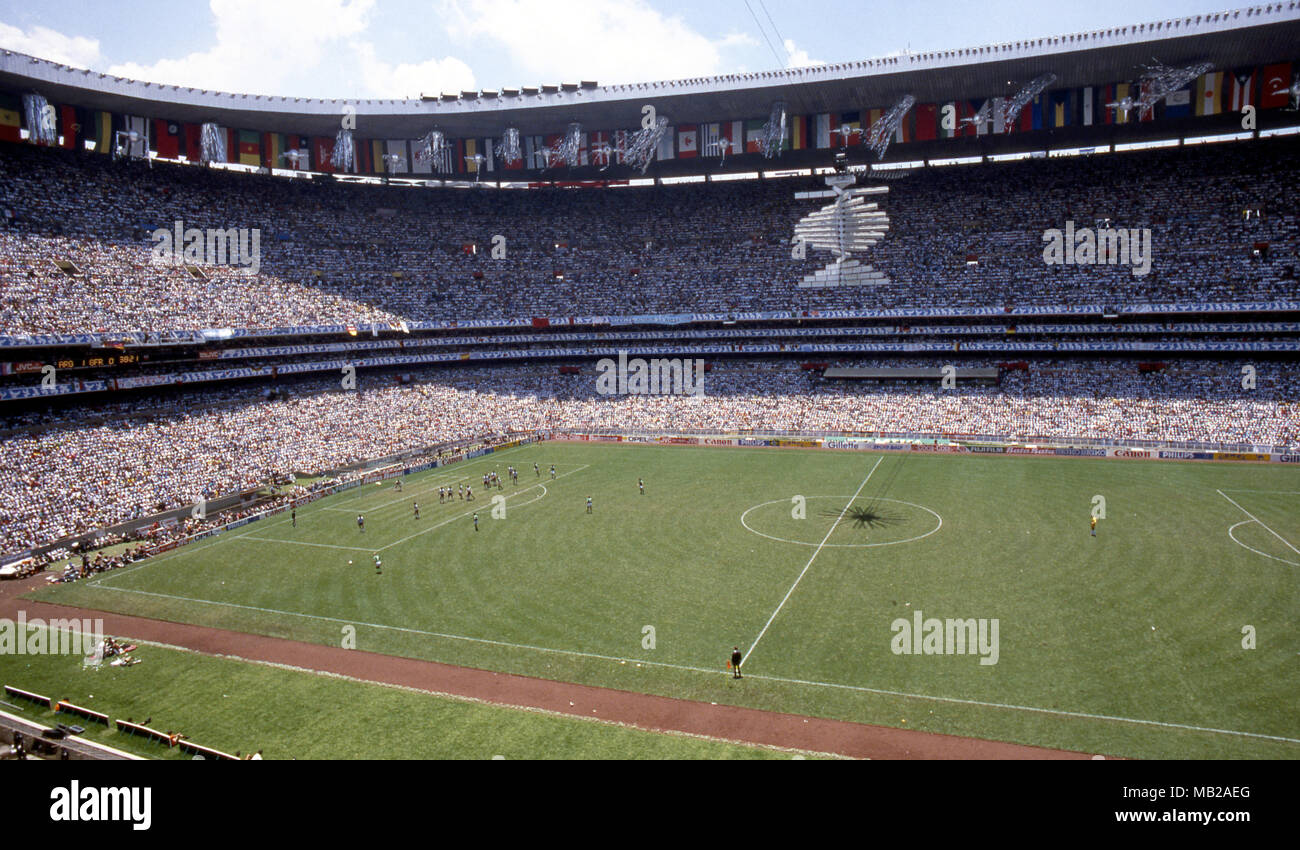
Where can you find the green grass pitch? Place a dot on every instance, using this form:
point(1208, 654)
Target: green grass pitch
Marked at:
point(235, 705)
point(1128, 643)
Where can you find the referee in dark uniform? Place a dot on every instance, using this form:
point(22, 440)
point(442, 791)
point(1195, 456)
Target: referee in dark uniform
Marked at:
point(735, 663)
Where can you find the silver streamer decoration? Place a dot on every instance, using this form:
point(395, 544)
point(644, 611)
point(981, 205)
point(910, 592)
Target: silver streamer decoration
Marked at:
point(882, 132)
point(1158, 81)
point(570, 146)
point(1293, 92)
point(212, 144)
point(41, 125)
point(644, 144)
point(509, 149)
point(1011, 109)
point(774, 131)
point(344, 156)
point(434, 148)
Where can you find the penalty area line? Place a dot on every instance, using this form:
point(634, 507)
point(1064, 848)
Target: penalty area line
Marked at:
point(1286, 542)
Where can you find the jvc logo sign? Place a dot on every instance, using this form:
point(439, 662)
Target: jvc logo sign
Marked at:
point(657, 376)
point(1104, 246)
point(212, 247)
point(74, 803)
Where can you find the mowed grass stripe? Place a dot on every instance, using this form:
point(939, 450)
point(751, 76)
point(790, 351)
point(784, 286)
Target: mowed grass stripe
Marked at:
point(1077, 612)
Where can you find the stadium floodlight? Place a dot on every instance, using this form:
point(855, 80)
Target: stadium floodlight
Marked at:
point(1011, 109)
point(606, 152)
point(980, 118)
point(1124, 106)
point(41, 127)
point(390, 160)
point(882, 132)
point(477, 159)
point(845, 132)
point(124, 142)
point(721, 146)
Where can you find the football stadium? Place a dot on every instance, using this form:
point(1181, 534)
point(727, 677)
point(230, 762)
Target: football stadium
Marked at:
point(936, 405)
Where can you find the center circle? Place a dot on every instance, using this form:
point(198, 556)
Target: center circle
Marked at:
point(839, 501)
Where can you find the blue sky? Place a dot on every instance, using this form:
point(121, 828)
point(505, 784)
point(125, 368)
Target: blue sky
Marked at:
point(403, 48)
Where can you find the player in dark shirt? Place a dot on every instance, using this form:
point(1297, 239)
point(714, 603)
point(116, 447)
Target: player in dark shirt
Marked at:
point(735, 663)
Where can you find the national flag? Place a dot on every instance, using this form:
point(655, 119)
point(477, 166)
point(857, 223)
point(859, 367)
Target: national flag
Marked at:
point(1209, 92)
point(800, 132)
point(1178, 104)
point(596, 143)
point(688, 141)
point(472, 150)
point(272, 148)
point(11, 118)
point(754, 135)
point(1274, 85)
point(927, 122)
point(378, 164)
point(488, 148)
point(302, 145)
point(553, 159)
point(250, 148)
point(1241, 90)
point(167, 138)
point(734, 133)
point(1089, 105)
point(822, 130)
point(192, 135)
point(1035, 110)
point(322, 153)
point(666, 144)
point(420, 165)
point(103, 124)
point(1061, 103)
point(69, 128)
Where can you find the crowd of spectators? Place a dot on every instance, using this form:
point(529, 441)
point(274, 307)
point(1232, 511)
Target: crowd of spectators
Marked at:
point(68, 471)
point(334, 253)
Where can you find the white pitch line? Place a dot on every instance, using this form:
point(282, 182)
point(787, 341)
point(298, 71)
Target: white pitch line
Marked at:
point(1261, 522)
point(717, 672)
point(467, 513)
point(302, 543)
point(1252, 548)
point(810, 560)
point(444, 473)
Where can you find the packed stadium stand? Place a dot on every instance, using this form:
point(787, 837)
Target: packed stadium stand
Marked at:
point(131, 386)
point(960, 236)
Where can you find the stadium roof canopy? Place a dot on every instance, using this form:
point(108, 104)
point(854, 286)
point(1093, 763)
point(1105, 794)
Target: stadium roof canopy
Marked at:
point(1242, 37)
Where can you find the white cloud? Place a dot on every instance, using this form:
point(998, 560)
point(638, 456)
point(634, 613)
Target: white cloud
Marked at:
point(799, 58)
point(45, 43)
point(610, 41)
point(261, 47)
point(382, 79)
